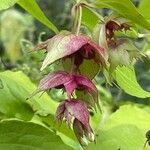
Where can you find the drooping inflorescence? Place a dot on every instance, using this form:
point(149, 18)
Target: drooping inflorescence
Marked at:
point(104, 49)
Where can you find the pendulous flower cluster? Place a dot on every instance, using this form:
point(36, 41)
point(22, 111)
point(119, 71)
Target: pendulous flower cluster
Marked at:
point(74, 110)
point(119, 50)
point(107, 53)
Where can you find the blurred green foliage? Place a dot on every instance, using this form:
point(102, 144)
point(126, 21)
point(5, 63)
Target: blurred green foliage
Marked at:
point(19, 33)
point(14, 27)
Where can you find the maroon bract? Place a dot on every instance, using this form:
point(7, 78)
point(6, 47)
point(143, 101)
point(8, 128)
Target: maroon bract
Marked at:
point(76, 113)
point(66, 44)
point(113, 25)
point(69, 82)
point(88, 52)
point(83, 134)
point(103, 34)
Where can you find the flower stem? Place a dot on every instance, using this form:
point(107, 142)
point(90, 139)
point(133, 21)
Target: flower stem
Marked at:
point(77, 14)
point(79, 19)
point(72, 65)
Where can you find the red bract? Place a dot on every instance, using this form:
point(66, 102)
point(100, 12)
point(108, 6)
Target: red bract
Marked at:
point(83, 134)
point(87, 51)
point(104, 33)
point(66, 44)
point(113, 25)
point(76, 113)
point(69, 82)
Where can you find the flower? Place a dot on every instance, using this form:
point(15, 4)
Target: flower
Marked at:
point(104, 33)
point(118, 51)
point(113, 25)
point(76, 114)
point(69, 82)
point(66, 44)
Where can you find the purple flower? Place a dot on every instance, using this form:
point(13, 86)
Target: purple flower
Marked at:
point(76, 114)
point(69, 82)
point(113, 25)
point(66, 44)
point(104, 33)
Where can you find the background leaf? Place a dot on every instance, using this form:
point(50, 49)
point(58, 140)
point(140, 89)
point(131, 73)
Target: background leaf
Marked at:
point(4, 4)
point(126, 79)
point(33, 8)
point(16, 87)
point(18, 135)
point(125, 130)
point(129, 114)
point(87, 14)
point(89, 68)
point(144, 8)
point(126, 9)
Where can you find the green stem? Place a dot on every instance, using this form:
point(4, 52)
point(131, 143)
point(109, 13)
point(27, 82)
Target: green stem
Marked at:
point(72, 65)
point(77, 14)
point(79, 19)
point(74, 16)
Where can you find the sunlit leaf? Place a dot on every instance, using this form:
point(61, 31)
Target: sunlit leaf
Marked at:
point(32, 7)
point(126, 79)
point(86, 18)
point(16, 87)
point(129, 114)
point(125, 130)
point(4, 4)
point(144, 8)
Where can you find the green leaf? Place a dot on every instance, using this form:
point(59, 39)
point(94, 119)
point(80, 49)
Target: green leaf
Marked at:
point(126, 9)
point(125, 130)
point(32, 7)
point(4, 4)
point(129, 114)
point(87, 14)
point(16, 87)
point(12, 104)
point(66, 133)
point(88, 70)
point(126, 79)
point(122, 137)
point(18, 135)
point(144, 8)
